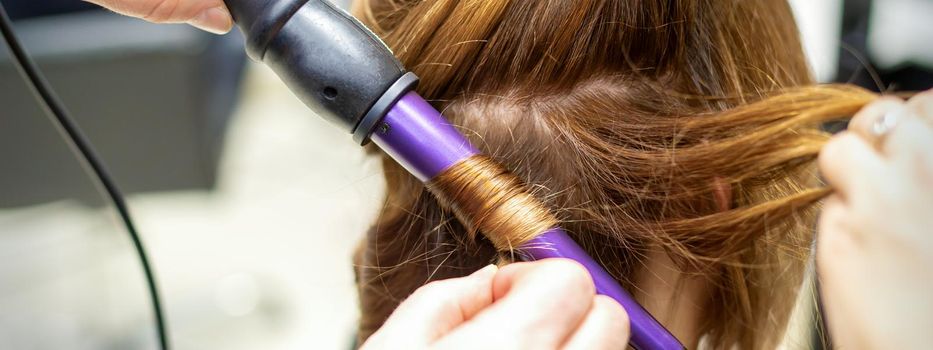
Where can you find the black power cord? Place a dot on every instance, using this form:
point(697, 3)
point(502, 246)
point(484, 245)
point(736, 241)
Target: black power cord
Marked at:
point(79, 142)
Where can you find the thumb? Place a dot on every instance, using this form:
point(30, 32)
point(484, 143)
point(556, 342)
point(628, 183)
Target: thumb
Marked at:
point(209, 15)
point(434, 310)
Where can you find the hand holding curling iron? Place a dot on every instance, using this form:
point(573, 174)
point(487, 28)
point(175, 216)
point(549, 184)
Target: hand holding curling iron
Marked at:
point(209, 15)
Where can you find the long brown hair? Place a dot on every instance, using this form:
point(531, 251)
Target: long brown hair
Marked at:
point(620, 116)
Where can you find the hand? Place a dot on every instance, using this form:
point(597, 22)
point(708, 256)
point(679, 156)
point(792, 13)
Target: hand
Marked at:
point(548, 304)
point(209, 15)
point(875, 246)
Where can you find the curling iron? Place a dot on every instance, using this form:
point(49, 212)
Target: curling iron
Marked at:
point(347, 75)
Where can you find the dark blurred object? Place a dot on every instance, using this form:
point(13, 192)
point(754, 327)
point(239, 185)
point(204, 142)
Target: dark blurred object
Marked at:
point(153, 99)
point(20, 9)
point(856, 65)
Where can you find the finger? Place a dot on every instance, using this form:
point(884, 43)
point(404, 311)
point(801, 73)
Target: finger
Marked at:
point(838, 265)
point(910, 146)
point(436, 308)
point(209, 15)
point(606, 326)
point(863, 123)
point(848, 162)
point(834, 217)
point(912, 141)
point(834, 241)
point(922, 105)
point(538, 305)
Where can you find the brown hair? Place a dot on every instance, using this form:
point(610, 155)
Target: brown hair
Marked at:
point(487, 198)
point(620, 116)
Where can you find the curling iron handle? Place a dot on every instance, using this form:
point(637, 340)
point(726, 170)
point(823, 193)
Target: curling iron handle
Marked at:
point(333, 63)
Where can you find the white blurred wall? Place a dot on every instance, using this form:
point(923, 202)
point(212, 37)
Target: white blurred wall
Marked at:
point(820, 23)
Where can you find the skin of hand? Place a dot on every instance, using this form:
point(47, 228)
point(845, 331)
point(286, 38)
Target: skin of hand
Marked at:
point(209, 15)
point(875, 243)
point(547, 304)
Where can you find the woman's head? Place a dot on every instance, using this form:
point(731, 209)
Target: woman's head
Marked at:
point(546, 46)
point(644, 125)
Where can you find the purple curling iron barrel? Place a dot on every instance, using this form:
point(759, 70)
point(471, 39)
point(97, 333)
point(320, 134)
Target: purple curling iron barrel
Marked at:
point(348, 76)
point(418, 137)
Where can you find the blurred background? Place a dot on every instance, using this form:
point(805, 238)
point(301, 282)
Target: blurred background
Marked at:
point(250, 206)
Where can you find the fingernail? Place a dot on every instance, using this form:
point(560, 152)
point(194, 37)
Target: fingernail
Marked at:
point(487, 271)
point(216, 20)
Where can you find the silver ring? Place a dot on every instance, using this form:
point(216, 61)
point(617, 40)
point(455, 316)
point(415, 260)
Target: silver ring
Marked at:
point(883, 126)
